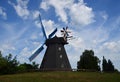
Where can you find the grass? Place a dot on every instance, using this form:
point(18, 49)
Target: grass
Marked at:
point(61, 77)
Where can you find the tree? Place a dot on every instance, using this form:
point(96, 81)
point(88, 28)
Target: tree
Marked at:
point(3, 64)
point(107, 66)
point(8, 64)
point(88, 61)
point(110, 66)
point(28, 67)
point(12, 64)
point(104, 64)
point(25, 67)
point(34, 65)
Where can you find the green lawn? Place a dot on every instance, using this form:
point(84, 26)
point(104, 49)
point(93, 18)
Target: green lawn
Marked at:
point(61, 77)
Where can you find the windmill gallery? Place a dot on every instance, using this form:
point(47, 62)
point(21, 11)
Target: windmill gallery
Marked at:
point(55, 57)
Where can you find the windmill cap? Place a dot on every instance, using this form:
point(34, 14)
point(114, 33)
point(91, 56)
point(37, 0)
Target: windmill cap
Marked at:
point(56, 40)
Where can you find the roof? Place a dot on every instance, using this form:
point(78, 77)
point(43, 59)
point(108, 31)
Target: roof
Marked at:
point(56, 40)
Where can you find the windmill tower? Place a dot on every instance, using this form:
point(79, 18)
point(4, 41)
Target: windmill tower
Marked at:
point(55, 57)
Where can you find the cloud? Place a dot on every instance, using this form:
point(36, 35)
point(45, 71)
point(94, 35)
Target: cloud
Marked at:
point(60, 8)
point(24, 55)
point(104, 15)
point(44, 6)
point(6, 47)
point(78, 13)
point(3, 13)
point(21, 8)
point(112, 47)
point(36, 14)
point(13, 31)
point(77, 42)
point(116, 24)
point(34, 36)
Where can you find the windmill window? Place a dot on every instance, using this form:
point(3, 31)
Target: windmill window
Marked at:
point(59, 48)
point(61, 56)
point(62, 66)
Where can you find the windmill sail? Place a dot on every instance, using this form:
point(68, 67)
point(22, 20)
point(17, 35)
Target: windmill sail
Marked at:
point(50, 35)
point(42, 27)
point(36, 53)
point(39, 49)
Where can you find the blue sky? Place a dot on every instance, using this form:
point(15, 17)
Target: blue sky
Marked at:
point(95, 24)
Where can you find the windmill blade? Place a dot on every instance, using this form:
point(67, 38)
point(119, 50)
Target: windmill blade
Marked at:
point(50, 35)
point(38, 50)
point(42, 27)
point(63, 28)
point(66, 27)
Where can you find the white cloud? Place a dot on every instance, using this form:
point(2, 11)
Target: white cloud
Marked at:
point(37, 23)
point(3, 13)
point(116, 24)
point(104, 15)
point(24, 55)
point(21, 8)
point(7, 47)
point(36, 43)
point(77, 42)
point(112, 47)
point(34, 36)
point(44, 6)
point(36, 14)
point(78, 13)
point(60, 8)
point(11, 31)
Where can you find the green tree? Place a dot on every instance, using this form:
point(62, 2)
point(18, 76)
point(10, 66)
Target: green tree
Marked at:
point(28, 67)
point(104, 64)
point(3, 64)
point(34, 65)
point(110, 66)
point(88, 61)
point(8, 64)
point(107, 66)
point(12, 64)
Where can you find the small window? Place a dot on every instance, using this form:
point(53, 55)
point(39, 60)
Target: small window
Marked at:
point(62, 66)
point(59, 48)
point(61, 56)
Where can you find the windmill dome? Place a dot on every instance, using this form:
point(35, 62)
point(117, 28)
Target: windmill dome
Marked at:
point(56, 40)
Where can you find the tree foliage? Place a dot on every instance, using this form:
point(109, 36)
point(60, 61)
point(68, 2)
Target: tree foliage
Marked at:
point(88, 61)
point(10, 65)
point(107, 66)
point(28, 67)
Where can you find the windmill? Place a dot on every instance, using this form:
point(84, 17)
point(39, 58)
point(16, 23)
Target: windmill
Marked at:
point(65, 32)
point(55, 57)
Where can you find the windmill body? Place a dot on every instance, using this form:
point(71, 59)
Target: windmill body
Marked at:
point(55, 57)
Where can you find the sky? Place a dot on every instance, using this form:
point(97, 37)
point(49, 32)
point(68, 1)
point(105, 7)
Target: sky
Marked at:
point(94, 24)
